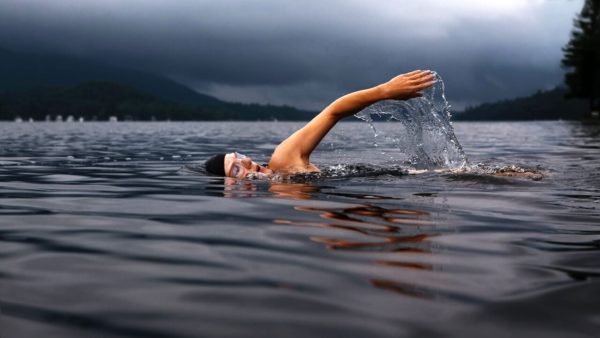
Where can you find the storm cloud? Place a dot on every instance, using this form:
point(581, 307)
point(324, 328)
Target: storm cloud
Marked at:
point(306, 53)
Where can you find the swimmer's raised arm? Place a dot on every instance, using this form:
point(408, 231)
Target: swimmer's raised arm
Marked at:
point(294, 152)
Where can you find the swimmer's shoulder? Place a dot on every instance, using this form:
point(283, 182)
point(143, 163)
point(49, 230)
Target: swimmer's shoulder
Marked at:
point(290, 162)
point(310, 168)
point(292, 167)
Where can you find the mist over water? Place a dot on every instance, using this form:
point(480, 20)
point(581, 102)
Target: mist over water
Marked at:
point(424, 137)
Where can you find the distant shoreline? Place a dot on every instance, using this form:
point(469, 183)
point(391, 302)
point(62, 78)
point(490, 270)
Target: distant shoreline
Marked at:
point(240, 120)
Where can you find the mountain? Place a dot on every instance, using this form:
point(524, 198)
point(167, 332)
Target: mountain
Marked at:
point(543, 105)
point(34, 85)
point(100, 100)
point(25, 71)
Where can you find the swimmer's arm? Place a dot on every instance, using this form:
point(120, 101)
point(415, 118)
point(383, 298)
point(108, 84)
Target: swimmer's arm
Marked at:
point(296, 149)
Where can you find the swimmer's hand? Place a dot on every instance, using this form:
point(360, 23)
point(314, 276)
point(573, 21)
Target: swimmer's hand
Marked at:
point(407, 86)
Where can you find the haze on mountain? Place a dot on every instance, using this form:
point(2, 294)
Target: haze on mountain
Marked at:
point(46, 86)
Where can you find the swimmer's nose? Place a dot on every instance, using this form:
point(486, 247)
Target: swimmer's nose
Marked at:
point(247, 163)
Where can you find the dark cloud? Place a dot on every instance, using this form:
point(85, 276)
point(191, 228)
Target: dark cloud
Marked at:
point(306, 53)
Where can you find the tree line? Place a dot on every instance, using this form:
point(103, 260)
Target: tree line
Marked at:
point(100, 100)
point(582, 56)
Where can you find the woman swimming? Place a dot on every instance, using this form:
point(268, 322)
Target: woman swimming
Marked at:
point(293, 154)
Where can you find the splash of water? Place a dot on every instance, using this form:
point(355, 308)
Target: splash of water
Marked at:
point(425, 134)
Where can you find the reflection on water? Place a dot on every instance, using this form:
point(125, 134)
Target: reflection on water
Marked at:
point(377, 224)
point(381, 229)
point(300, 191)
point(381, 233)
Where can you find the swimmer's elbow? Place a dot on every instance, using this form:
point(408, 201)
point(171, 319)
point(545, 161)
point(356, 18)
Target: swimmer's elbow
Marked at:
point(337, 111)
point(352, 103)
point(333, 114)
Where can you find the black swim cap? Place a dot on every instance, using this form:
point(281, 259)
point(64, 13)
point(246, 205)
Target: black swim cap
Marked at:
point(216, 165)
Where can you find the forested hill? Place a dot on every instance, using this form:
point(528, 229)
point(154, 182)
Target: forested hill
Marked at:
point(35, 85)
point(19, 71)
point(101, 100)
point(543, 105)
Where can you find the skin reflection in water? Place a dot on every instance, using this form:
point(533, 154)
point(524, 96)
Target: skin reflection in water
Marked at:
point(297, 191)
point(383, 229)
point(235, 188)
point(376, 223)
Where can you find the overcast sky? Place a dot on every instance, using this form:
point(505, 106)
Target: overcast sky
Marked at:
point(307, 53)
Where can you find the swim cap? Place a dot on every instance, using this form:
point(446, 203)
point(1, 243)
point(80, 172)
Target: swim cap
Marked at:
point(216, 165)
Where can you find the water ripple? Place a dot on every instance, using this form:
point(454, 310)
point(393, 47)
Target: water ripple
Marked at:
point(104, 234)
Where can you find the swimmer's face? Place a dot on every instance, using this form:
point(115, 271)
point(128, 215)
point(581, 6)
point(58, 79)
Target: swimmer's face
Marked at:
point(239, 166)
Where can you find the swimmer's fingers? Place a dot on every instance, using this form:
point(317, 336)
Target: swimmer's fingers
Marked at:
point(422, 77)
point(423, 85)
point(418, 74)
point(419, 87)
point(409, 74)
point(414, 75)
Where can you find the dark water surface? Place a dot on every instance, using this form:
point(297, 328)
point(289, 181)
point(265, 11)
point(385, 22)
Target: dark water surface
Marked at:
point(103, 234)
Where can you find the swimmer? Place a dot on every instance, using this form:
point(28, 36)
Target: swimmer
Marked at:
point(293, 154)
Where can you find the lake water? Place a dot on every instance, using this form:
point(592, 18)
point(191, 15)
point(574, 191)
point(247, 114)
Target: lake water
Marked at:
point(106, 233)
